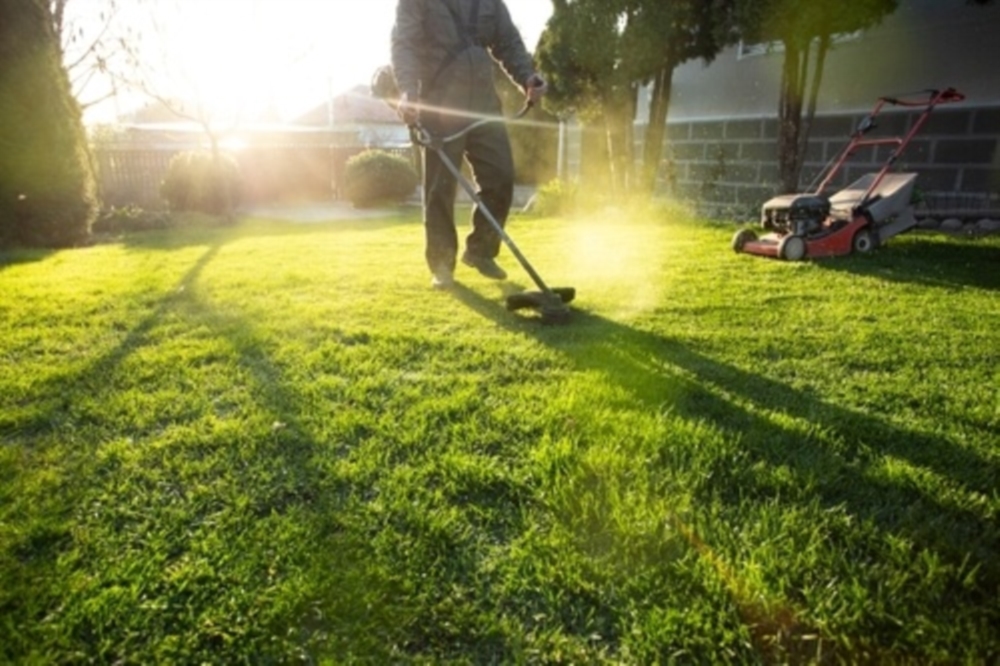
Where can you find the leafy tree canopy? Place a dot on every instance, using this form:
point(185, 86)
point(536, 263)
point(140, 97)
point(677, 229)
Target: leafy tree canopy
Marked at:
point(580, 54)
point(797, 22)
point(658, 34)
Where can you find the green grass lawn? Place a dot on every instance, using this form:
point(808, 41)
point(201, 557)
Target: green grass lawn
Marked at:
point(275, 442)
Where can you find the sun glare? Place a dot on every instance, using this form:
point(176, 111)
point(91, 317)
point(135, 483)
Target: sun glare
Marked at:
point(252, 59)
point(272, 59)
point(234, 144)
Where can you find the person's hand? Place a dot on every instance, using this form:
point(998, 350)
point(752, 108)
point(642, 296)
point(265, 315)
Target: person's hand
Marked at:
point(534, 88)
point(408, 110)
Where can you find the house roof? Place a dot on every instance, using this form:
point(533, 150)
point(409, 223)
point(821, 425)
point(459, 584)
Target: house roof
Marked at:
point(355, 106)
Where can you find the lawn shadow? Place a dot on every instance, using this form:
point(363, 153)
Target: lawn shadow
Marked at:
point(182, 298)
point(10, 258)
point(836, 457)
point(930, 262)
point(52, 400)
point(285, 447)
point(182, 237)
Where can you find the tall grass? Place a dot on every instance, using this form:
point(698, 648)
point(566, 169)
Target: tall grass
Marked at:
point(275, 442)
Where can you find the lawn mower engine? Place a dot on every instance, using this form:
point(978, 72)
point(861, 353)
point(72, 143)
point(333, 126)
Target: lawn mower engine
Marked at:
point(798, 214)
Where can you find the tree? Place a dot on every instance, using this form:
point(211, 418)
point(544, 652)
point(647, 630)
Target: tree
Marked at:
point(47, 193)
point(597, 53)
point(658, 36)
point(580, 53)
point(100, 52)
point(805, 29)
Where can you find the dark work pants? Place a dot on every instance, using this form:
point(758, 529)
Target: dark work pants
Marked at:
point(487, 148)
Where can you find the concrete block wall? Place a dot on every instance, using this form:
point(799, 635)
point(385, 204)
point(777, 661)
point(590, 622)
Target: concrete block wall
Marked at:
point(729, 167)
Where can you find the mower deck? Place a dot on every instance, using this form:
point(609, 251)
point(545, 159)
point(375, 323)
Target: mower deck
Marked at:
point(835, 239)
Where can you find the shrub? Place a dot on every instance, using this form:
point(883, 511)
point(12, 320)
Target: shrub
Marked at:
point(556, 197)
point(376, 176)
point(196, 181)
point(122, 219)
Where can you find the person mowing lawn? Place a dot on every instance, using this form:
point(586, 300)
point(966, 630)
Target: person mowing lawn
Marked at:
point(442, 58)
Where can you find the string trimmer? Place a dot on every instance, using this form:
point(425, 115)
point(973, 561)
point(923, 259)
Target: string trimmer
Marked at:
point(550, 303)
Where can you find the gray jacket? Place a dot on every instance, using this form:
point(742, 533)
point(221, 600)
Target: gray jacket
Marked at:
point(439, 58)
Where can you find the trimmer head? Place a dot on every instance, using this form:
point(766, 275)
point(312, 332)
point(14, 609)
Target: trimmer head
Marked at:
point(552, 304)
point(556, 314)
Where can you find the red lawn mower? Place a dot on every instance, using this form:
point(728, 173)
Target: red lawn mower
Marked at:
point(860, 217)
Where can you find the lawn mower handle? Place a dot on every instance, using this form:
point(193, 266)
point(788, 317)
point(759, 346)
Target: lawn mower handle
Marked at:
point(936, 97)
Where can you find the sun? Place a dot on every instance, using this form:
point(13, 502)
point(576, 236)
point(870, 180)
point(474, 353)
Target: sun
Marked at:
point(238, 58)
point(224, 57)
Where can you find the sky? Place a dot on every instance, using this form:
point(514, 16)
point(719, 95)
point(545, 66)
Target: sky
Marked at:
point(289, 55)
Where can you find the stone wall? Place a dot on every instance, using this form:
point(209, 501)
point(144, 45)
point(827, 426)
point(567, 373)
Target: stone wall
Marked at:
point(729, 167)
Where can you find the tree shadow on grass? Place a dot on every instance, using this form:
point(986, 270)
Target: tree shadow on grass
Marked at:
point(837, 458)
point(51, 402)
point(282, 455)
point(933, 262)
point(183, 237)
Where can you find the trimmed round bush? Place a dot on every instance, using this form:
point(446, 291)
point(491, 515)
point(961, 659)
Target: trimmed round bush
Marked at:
point(198, 181)
point(377, 177)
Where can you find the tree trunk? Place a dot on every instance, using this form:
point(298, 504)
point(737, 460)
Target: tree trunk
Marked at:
point(627, 120)
point(659, 104)
point(814, 85)
point(613, 144)
point(790, 117)
point(619, 115)
point(57, 8)
point(219, 175)
point(595, 170)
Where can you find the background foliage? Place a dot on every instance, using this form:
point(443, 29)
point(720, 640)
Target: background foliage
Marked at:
point(47, 191)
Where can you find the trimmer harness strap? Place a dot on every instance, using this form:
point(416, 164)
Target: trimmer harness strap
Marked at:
point(467, 32)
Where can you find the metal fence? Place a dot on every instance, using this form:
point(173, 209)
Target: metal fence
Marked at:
point(132, 177)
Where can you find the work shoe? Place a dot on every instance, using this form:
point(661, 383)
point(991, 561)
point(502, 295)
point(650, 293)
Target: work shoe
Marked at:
point(442, 277)
point(485, 265)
